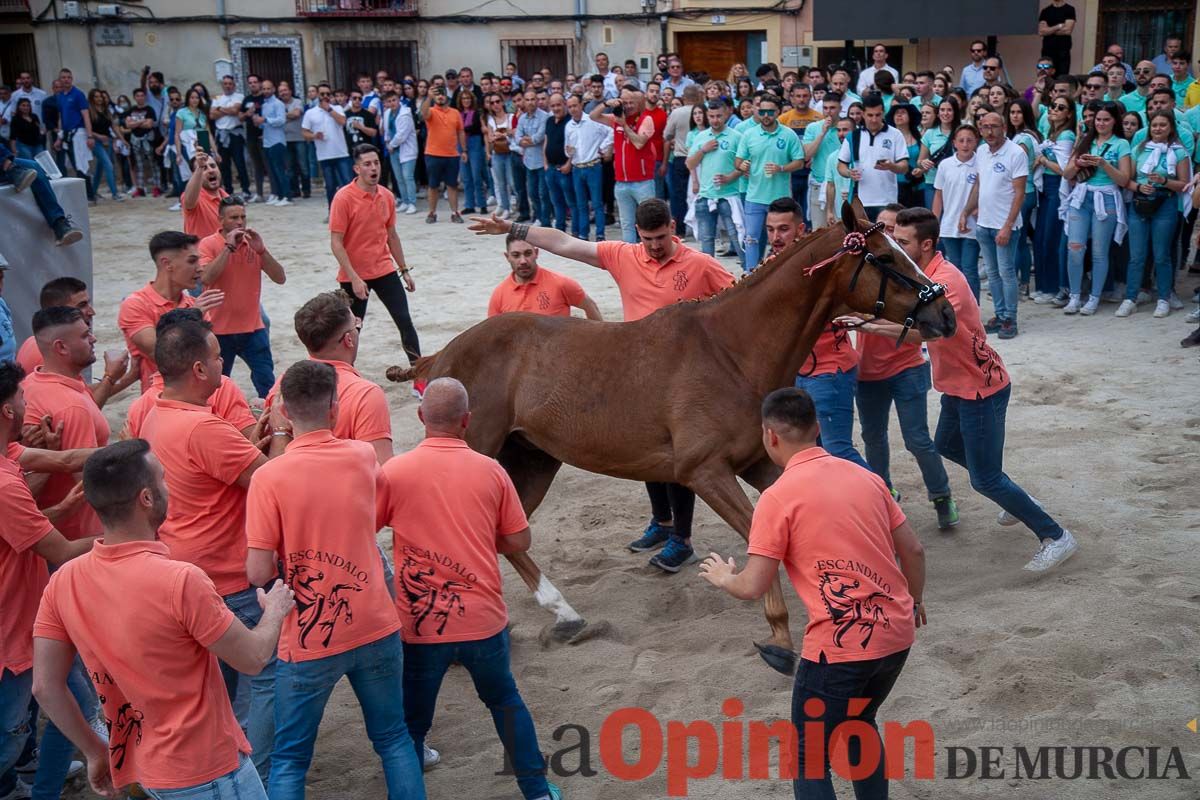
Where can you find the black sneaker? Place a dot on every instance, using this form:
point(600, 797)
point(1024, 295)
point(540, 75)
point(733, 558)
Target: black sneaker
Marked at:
point(674, 556)
point(992, 325)
point(1008, 329)
point(23, 178)
point(65, 233)
point(469, 210)
point(1192, 339)
point(947, 512)
point(523, 218)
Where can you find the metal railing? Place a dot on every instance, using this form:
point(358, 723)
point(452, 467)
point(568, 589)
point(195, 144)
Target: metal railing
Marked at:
point(351, 8)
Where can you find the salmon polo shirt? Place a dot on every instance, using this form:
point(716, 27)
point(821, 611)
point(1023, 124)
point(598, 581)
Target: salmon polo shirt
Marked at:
point(142, 624)
point(965, 365)
point(547, 293)
point(23, 572)
point(227, 402)
point(365, 219)
point(203, 456)
point(205, 218)
point(143, 309)
point(241, 280)
point(315, 507)
point(446, 504)
point(68, 402)
point(363, 412)
point(830, 522)
point(647, 285)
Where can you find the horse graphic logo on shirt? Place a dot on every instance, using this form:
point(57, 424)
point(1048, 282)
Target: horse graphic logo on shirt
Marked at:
point(127, 725)
point(848, 610)
point(985, 356)
point(429, 596)
point(318, 609)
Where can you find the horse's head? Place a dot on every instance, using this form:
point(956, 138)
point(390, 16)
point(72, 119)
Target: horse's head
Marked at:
point(880, 279)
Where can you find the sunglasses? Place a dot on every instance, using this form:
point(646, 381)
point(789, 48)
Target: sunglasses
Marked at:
point(767, 112)
point(1044, 66)
point(1143, 70)
point(991, 68)
point(1096, 86)
point(978, 50)
point(1059, 107)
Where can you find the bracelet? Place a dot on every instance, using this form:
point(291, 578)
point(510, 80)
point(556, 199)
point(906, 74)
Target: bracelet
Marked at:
point(112, 381)
point(520, 230)
point(405, 270)
point(281, 433)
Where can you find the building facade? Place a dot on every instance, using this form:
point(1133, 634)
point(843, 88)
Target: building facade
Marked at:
point(311, 40)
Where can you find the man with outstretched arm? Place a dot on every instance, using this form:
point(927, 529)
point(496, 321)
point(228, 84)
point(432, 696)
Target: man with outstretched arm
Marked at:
point(656, 273)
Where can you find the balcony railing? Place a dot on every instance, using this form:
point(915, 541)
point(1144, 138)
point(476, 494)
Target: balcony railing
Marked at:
point(18, 7)
point(350, 8)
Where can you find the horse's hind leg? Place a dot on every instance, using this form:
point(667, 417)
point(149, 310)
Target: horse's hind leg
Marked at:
point(532, 471)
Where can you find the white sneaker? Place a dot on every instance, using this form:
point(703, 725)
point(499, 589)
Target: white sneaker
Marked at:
point(1006, 519)
point(176, 207)
point(272, 201)
point(20, 791)
point(1194, 316)
point(120, 198)
point(1162, 308)
point(1143, 297)
point(283, 201)
point(1043, 298)
point(76, 768)
point(430, 758)
point(1090, 306)
point(412, 208)
point(254, 198)
point(503, 214)
point(1053, 552)
point(1072, 306)
point(1176, 303)
point(491, 201)
point(1127, 308)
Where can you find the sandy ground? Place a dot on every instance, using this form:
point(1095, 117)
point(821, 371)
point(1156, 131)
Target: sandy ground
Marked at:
point(1103, 428)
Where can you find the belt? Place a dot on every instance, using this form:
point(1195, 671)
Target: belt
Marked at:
point(586, 164)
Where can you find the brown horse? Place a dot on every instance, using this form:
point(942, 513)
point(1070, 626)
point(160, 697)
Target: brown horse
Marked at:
point(675, 396)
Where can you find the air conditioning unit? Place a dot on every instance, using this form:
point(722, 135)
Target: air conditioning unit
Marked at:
point(72, 9)
point(796, 56)
point(108, 10)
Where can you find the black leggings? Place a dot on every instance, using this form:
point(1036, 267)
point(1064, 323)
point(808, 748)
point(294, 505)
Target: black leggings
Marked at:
point(391, 292)
point(671, 501)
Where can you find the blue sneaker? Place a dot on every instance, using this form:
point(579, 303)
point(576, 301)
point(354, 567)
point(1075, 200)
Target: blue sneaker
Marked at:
point(674, 555)
point(654, 537)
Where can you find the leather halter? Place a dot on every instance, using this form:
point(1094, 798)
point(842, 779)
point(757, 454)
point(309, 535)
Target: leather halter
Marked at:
point(855, 243)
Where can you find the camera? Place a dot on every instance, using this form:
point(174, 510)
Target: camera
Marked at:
point(618, 110)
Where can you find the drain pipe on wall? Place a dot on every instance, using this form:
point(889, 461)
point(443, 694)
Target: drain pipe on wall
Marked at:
point(581, 57)
point(222, 28)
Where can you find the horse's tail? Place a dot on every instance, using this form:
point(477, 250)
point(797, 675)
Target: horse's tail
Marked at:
point(418, 370)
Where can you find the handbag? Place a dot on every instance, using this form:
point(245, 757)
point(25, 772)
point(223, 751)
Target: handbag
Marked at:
point(1147, 205)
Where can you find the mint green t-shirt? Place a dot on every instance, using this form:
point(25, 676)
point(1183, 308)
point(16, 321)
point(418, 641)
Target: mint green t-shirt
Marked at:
point(719, 161)
point(1186, 135)
point(829, 144)
point(1030, 146)
point(781, 147)
point(934, 139)
point(1133, 102)
point(1111, 151)
point(841, 186)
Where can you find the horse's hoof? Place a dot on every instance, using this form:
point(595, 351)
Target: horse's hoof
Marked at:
point(395, 373)
point(778, 658)
point(566, 631)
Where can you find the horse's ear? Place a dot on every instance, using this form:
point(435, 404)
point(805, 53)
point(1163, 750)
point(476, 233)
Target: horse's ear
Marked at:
point(849, 217)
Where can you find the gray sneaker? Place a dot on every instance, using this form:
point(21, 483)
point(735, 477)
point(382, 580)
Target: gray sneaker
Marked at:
point(1053, 552)
point(430, 758)
point(65, 232)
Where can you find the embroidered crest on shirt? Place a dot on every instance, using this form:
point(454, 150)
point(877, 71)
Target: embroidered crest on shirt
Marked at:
point(434, 597)
point(849, 610)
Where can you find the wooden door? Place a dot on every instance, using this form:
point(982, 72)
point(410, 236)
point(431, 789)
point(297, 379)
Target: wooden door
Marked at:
point(712, 52)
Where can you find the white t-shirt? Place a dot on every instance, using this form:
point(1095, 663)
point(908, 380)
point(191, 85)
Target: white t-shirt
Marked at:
point(333, 145)
point(866, 78)
point(997, 171)
point(956, 179)
point(228, 101)
point(878, 187)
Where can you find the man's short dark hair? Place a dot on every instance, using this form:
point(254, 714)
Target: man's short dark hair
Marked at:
point(158, 76)
point(178, 315)
point(179, 347)
point(832, 95)
point(872, 100)
point(1184, 54)
point(170, 240)
point(764, 69)
point(789, 411)
point(58, 291)
point(785, 205)
point(11, 376)
point(652, 214)
point(767, 97)
point(1165, 91)
point(922, 220)
point(895, 208)
point(308, 389)
point(320, 319)
point(229, 202)
point(364, 150)
point(114, 476)
point(54, 316)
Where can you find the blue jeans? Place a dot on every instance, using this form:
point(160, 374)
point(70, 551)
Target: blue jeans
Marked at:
point(1024, 238)
point(277, 165)
point(103, 167)
point(678, 175)
point(255, 349)
point(521, 182)
point(502, 176)
point(562, 195)
point(241, 784)
point(15, 694)
point(29, 152)
point(337, 173)
point(971, 434)
point(908, 389)
point(964, 254)
point(706, 223)
point(800, 189)
point(833, 395)
point(589, 185)
point(406, 177)
point(837, 685)
point(755, 220)
point(929, 192)
point(1082, 228)
point(629, 194)
point(314, 168)
point(376, 672)
point(487, 662)
point(298, 168)
point(55, 750)
point(539, 203)
point(43, 193)
point(474, 182)
point(260, 724)
point(1047, 237)
point(1156, 235)
point(1001, 265)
